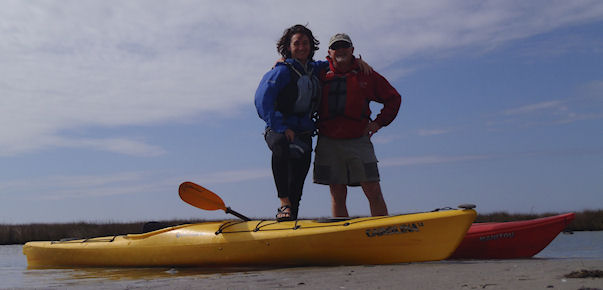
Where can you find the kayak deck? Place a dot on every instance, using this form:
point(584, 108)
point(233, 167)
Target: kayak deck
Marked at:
point(511, 240)
point(370, 240)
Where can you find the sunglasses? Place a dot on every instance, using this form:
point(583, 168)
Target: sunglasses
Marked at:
point(340, 45)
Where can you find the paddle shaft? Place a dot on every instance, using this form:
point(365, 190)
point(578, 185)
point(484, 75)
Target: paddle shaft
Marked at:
point(203, 198)
point(230, 211)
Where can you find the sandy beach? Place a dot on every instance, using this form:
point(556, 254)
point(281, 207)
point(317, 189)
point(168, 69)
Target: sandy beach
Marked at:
point(470, 274)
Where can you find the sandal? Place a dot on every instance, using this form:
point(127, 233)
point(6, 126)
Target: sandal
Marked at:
point(284, 214)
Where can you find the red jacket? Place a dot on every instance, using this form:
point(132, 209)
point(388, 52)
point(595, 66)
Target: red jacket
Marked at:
point(344, 110)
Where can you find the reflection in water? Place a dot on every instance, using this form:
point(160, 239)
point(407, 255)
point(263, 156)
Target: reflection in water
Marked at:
point(118, 276)
point(130, 273)
point(587, 245)
point(14, 272)
point(134, 273)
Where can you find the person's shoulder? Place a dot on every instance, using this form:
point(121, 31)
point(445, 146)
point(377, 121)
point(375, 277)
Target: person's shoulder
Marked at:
point(319, 64)
point(283, 66)
point(375, 74)
point(277, 76)
point(278, 70)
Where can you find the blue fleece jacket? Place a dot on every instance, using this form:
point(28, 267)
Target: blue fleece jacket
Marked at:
point(270, 86)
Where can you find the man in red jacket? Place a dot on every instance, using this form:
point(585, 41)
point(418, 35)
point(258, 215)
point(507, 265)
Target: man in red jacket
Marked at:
point(344, 153)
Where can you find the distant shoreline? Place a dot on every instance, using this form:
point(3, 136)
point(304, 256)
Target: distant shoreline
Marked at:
point(588, 220)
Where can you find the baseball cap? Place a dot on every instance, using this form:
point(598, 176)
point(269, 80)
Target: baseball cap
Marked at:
point(340, 37)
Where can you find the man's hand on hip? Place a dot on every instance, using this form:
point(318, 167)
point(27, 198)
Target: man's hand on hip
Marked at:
point(372, 128)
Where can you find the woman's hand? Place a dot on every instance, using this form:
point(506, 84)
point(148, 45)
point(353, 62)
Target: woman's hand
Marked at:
point(365, 68)
point(290, 135)
point(278, 61)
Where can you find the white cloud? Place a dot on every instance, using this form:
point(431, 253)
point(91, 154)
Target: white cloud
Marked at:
point(77, 186)
point(593, 91)
point(74, 65)
point(549, 105)
point(424, 160)
point(234, 176)
point(116, 145)
point(384, 138)
point(120, 183)
point(381, 138)
point(432, 132)
point(586, 104)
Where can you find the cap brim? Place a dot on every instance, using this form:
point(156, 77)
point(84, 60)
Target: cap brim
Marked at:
point(339, 41)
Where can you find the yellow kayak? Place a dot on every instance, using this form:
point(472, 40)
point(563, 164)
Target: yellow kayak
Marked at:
point(416, 237)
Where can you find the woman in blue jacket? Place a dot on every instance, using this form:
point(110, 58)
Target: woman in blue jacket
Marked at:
point(286, 100)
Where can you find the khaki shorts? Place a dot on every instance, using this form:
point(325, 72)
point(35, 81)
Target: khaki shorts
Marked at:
point(345, 161)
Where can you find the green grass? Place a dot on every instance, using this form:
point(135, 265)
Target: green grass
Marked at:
point(20, 234)
point(588, 220)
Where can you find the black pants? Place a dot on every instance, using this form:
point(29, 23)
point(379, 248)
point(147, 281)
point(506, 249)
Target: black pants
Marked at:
point(289, 173)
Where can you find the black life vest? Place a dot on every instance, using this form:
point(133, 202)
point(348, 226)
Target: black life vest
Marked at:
point(301, 96)
point(341, 103)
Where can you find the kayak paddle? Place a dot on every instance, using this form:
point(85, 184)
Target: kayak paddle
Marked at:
point(203, 198)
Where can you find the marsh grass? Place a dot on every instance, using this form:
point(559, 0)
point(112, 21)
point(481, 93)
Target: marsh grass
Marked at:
point(588, 220)
point(20, 234)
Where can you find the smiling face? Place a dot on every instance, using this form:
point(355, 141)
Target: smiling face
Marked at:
point(300, 46)
point(341, 54)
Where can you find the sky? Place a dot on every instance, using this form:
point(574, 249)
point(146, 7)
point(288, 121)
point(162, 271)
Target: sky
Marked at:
point(107, 106)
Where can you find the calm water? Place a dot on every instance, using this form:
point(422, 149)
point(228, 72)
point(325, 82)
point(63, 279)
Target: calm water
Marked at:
point(14, 272)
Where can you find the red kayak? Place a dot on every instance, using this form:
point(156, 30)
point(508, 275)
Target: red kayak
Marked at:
point(511, 240)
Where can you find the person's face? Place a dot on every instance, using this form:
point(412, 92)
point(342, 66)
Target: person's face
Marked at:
point(341, 52)
point(300, 46)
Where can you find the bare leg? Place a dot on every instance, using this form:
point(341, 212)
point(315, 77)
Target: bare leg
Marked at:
point(286, 213)
point(285, 201)
point(339, 193)
point(373, 193)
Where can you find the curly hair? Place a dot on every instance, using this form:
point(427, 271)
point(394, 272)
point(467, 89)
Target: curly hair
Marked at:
point(282, 46)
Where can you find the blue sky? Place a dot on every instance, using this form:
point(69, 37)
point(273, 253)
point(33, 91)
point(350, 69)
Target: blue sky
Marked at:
point(108, 106)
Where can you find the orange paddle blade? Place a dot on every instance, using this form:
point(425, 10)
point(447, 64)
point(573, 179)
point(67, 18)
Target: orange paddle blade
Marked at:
point(199, 196)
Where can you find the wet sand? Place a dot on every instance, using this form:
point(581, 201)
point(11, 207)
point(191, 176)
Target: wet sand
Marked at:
point(469, 274)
